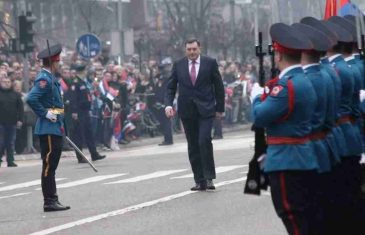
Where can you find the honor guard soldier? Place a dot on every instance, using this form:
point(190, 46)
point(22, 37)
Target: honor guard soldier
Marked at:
point(347, 173)
point(323, 121)
point(327, 68)
point(286, 113)
point(80, 105)
point(46, 101)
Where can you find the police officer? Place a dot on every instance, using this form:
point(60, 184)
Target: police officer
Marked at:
point(80, 104)
point(286, 114)
point(46, 101)
point(159, 108)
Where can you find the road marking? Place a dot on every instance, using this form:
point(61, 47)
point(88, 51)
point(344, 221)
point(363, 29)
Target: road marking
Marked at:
point(15, 195)
point(87, 181)
point(127, 209)
point(218, 170)
point(24, 185)
point(2, 182)
point(156, 174)
point(241, 142)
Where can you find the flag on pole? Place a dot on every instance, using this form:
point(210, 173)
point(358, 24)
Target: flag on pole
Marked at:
point(331, 8)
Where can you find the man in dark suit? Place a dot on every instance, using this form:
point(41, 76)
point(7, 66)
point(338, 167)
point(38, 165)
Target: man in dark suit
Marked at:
point(201, 99)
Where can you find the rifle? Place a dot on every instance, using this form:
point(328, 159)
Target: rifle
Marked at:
point(255, 177)
point(273, 70)
point(64, 122)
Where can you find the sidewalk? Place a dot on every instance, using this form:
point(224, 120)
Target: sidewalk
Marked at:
point(136, 143)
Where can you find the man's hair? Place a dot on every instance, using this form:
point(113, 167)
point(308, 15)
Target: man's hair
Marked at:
point(192, 40)
point(313, 57)
point(347, 48)
point(46, 63)
point(292, 58)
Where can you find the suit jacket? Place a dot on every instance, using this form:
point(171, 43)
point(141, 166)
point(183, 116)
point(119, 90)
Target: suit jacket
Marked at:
point(206, 96)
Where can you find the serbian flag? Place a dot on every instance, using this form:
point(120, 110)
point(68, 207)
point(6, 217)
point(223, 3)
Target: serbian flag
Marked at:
point(348, 8)
point(108, 91)
point(331, 9)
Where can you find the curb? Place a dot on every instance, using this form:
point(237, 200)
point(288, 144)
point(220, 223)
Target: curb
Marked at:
point(136, 143)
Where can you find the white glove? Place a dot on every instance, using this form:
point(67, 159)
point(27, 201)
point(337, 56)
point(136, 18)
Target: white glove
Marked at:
point(169, 111)
point(255, 91)
point(362, 95)
point(51, 116)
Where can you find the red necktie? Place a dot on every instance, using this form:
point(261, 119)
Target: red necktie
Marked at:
point(193, 72)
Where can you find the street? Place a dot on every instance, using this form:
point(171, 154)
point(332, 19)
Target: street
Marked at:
point(140, 190)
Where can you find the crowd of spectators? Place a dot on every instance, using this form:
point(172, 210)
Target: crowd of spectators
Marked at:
point(130, 114)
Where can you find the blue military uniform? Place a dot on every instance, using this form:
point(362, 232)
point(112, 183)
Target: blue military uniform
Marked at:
point(346, 105)
point(319, 133)
point(341, 146)
point(46, 95)
point(46, 101)
point(286, 114)
point(356, 105)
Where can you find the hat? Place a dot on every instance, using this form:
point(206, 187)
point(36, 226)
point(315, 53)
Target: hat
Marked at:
point(342, 34)
point(53, 52)
point(78, 67)
point(288, 40)
point(166, 61)
point(313, 22)
point(319, 40)
point(345, 24)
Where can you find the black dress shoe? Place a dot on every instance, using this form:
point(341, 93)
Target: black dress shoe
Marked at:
point(98, 157)
point(12, 164)
point(210, 185)
point(55, 206)
point(199, 187)
point(165, 143)
point(59, 203)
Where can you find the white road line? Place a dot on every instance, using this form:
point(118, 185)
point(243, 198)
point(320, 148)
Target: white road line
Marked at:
point(218, 170)
point(224, 144)
point(156, 174)
point(127, 209)
point(87, 181)
point(24, 185)
point(15, 195)
point(2, 182)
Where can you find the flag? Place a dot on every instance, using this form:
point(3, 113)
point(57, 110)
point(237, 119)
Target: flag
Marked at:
point(348, 8)
point(331, 8)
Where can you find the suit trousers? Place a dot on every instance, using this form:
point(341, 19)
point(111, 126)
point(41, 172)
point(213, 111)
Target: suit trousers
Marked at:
point(200, 149)
point(51, 149)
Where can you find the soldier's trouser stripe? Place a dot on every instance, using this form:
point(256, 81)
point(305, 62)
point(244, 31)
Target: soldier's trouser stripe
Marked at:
point(48, 154)
point(286, 204)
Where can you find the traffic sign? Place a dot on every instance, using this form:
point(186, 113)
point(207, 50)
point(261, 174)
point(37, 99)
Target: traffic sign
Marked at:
point(88, 46)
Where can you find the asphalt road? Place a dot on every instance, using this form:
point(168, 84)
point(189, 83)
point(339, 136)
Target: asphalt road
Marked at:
point(140, 190)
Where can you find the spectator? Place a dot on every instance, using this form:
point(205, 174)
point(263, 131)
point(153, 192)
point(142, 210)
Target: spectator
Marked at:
point(12, 105)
